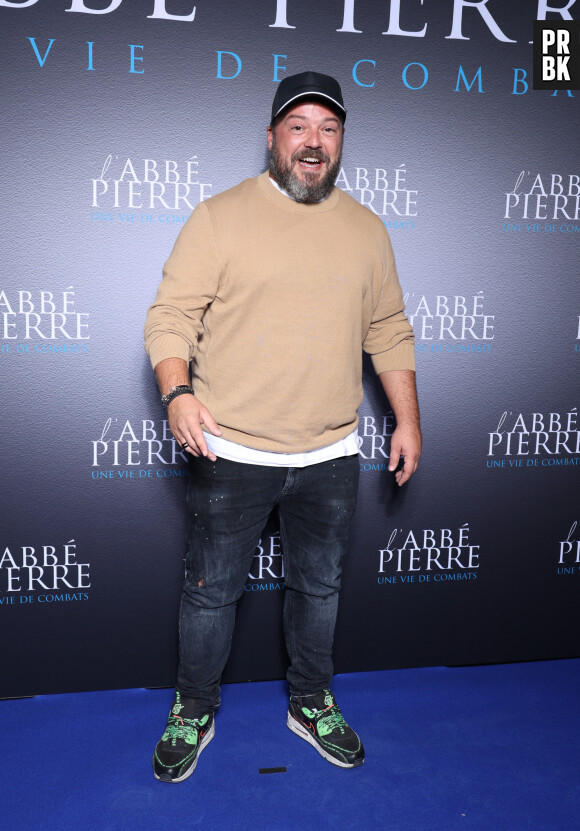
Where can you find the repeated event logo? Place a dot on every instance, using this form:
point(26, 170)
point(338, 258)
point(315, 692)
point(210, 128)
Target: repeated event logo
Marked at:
point(42, 323)
point(147, 191)
point(450, 324)
point(367, 72)
point(577, 344)
point(43, 574)
point(430, 555)
point(385, 191)
point(569, 553)
point(136, 450)
point(534, 440)
point(543, 203)
point(267, 571)
point(374, 434)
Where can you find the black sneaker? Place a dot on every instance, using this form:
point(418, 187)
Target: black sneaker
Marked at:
point(178, 749)
point(318, 720)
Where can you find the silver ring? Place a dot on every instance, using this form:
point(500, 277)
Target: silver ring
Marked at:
point(184, 445)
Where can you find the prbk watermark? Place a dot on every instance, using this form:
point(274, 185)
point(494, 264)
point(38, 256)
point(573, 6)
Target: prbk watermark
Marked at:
point(428, 555)
point(556, 54)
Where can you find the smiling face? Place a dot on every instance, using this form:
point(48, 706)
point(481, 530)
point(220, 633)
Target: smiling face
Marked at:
point(305, 149)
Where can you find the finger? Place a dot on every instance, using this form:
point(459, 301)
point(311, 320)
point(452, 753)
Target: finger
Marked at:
point(191, 440)
point(394, 456)
point(185, 444)
point(409, 467)
point(403, 475)
point(185, 420)
point(199, 448)
point(199, 445)
point(206, 418)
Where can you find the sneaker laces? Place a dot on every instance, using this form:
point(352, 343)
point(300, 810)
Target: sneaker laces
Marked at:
point(332, 720)
point(181, 728)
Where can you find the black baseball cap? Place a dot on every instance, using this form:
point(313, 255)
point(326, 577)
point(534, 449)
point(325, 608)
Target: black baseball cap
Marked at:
point(308, 85)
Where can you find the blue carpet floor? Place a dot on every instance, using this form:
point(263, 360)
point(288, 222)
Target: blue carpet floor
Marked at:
point(478, 749)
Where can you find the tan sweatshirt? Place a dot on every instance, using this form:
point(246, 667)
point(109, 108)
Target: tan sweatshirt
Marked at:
point(272, 301)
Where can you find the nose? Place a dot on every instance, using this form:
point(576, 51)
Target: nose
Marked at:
point(313, 140)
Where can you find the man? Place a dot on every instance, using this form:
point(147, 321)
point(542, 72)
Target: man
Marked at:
point(270, 292)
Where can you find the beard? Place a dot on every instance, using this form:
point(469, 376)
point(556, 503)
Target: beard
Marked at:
point(311, 188)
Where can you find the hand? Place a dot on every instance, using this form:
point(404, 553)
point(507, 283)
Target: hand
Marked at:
point(405, 441)
point(186, 415)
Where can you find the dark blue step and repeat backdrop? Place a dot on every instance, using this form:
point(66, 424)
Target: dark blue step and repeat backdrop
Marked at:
point(118, 118)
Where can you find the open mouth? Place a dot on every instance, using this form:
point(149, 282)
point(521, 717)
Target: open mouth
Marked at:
point(310, 163)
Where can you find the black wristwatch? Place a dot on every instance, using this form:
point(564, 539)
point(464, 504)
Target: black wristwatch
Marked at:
point(182, 389)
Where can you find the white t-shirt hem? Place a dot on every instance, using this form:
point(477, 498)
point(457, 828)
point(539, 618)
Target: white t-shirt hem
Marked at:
point(225, 449)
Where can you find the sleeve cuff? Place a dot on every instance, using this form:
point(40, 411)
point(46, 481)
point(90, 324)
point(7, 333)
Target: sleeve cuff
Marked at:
point(401, 356)
point(168, 346)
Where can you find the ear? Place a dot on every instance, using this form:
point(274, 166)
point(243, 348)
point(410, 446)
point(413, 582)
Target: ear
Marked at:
point(270, 134)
